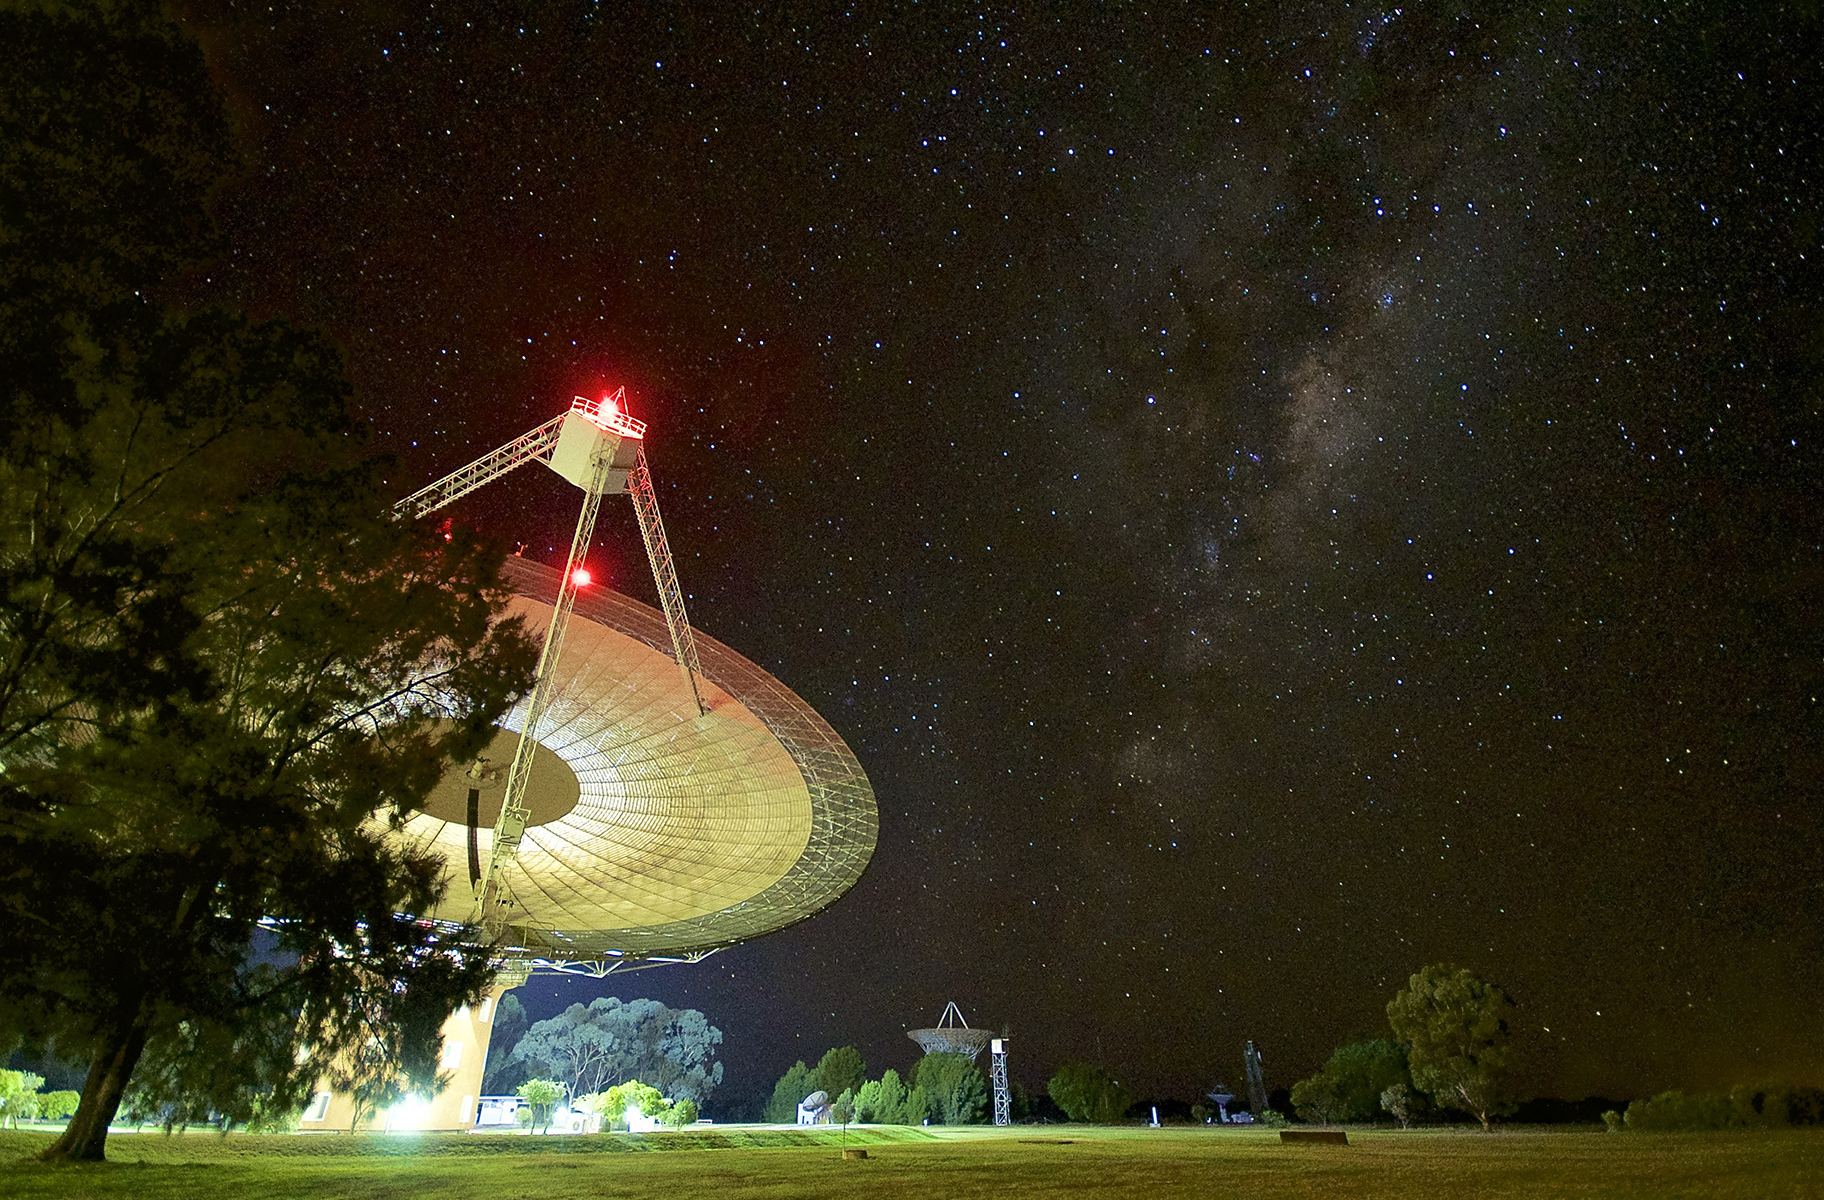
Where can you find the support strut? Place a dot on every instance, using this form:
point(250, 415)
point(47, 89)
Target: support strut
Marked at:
point(492, 905)
point(671, 596)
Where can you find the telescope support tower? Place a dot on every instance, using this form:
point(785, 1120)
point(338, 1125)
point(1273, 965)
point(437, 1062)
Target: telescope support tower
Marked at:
point(600, 449)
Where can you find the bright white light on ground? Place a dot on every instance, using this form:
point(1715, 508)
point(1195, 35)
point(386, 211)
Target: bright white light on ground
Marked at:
point(411, 1113)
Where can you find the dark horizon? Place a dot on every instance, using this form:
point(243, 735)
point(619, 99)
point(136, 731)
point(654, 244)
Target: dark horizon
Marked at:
point(1273, 499)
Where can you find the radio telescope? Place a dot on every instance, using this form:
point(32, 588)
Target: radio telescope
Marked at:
point(952, 1035)
point(657, 796)
point(653, 830)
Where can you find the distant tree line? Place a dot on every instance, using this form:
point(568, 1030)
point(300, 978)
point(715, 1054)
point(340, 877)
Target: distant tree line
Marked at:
point(939, 1089)
point(21, 1099)
point(1767, 1106)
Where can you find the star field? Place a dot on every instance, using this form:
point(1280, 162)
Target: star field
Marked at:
point(1274, 497)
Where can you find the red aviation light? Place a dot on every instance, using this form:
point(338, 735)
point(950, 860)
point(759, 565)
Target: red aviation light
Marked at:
point(581, 577)
point(610, 413)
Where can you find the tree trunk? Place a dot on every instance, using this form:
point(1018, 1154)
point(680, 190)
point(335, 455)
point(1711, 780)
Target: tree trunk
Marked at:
point(86, 1137)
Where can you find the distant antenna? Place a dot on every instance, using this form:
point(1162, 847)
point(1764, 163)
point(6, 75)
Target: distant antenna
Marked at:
point(951, 1035)
point(1257, 1084)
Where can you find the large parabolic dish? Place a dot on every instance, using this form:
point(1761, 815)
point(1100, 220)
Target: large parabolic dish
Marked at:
point(653, 830)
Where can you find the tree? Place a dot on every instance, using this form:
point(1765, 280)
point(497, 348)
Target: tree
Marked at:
point(1455, 1029)
point(1087, 1092)
point(635, 1096)
point(1397, 1102)
point(680, 1114)
point(956, 1086)
point(842, 1109)
point(225, 670)
point(1350, 1085)
point(503, 1072)
point(840, 1070)
point(1316, 1099)
point(55, 1106)
point(541, 1097)
point(883, 1101)
point(605, 1041)
point(19, 1096)
point(792, 1088)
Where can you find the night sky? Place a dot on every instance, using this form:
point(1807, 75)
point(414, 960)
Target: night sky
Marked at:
point(1274, 496)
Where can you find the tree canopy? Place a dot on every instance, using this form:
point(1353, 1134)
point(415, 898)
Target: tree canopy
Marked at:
point(793, 1086)
point(1454, 1025)
point(1349, 1087)
point(225, 670)
point(1087, 1092)
point(840, 1070)
point(503, 1072)
point(957, 1089)
point(883, 1101)
point(592, 1046)
point(541, 1097)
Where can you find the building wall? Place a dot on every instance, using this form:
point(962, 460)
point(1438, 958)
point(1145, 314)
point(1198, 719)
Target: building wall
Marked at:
point(465, 1054)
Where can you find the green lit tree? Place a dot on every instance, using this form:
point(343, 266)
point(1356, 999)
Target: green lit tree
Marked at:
point(1454, 1025)
point(841, 1069)
point(957, 1089)
point(1316, 1099)
point(19, 1096)
point(1350, 1085)
point(541, 1097)
point(792, 1088)
point(1087, 1092)
point(635, 1096)
point(55, 1106)
point(883, 1101)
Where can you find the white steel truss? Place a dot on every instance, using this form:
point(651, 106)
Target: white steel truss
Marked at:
point(610, 426)
point(527, 447)
point(997, 1075)
point(671, 596)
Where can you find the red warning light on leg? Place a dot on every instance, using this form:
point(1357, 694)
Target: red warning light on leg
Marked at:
point(581, 577)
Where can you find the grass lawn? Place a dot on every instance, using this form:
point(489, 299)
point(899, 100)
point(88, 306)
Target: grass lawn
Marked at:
point(729, 1163)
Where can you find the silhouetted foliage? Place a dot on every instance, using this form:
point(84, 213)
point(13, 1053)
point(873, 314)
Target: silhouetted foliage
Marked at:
point(219, 654)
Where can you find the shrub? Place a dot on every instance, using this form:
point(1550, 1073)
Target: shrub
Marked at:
point(1399, 1102)
point(1611, 1121)
point(1676, 1110)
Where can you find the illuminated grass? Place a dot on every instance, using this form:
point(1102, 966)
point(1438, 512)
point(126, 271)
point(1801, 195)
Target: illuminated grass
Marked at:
point(732, 1163)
